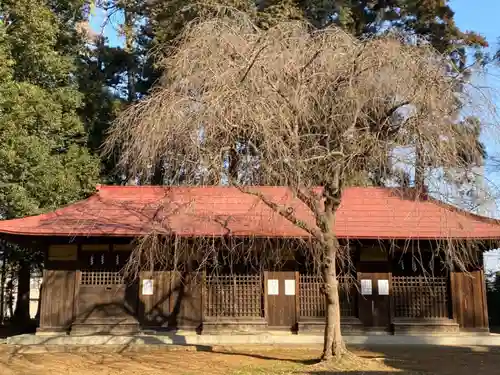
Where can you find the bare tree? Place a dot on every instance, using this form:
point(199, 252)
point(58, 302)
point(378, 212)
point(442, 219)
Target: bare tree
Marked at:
point(294, 108)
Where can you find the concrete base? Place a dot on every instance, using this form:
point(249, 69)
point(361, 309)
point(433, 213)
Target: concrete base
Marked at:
point(419, 327)
point(268, 338)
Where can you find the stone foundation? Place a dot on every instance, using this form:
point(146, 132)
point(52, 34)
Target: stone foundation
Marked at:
point(425, 326)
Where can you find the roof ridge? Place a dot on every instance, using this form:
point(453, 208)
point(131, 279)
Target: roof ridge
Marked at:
point(462, 211)
point(104, 186)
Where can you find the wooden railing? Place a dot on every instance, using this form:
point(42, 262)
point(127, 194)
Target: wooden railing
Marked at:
point(420, 297)
point(312, 299)
point(233, 296)
point(101, 277)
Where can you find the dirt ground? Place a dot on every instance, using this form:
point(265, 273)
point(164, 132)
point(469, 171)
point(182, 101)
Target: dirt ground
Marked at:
point(245, 361)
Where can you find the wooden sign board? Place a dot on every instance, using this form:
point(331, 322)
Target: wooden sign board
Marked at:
point(63, 253)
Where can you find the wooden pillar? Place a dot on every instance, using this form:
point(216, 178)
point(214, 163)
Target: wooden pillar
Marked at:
point(468, 300)
point(266, 304)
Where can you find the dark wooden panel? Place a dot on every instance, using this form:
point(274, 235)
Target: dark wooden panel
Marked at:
point(282, 310)
point(154, 310)
point(312, 301)
point(57, 299)
point(479, 305)
point(374, 309)
point(468, 299)
point(105, 298)
point(233, 296)
point(420, 297)
point(185, 300)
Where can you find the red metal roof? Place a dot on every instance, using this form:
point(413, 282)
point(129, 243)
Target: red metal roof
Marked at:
point(376, 213)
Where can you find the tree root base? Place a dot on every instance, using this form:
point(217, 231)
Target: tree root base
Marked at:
point(344, 355)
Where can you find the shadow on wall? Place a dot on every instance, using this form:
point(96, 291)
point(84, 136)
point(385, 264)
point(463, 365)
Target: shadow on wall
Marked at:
point(121, 306)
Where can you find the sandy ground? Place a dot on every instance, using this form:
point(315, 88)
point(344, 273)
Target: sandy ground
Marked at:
point(245, 361)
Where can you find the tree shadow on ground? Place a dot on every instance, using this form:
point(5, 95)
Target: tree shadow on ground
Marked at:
point(406, 360)
point(9, 329)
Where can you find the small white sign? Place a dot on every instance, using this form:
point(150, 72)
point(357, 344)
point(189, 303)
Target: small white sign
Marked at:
point(273, 288)
point(366, 287)
point(289, 287)
point(383, 287)
point(147, 287)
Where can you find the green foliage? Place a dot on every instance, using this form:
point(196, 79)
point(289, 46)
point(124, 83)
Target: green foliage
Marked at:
point(45, 160)
point(63, 89)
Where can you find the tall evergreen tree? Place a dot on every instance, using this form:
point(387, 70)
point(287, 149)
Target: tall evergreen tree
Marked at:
point(44, 159)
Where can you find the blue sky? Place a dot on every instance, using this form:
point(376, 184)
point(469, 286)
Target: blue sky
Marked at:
point(482, 16)
point(108, 27)
point(478, 15)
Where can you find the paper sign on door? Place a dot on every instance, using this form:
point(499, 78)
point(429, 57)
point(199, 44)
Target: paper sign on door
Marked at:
point(383, 287)
point(366, 287)
point(289, 287)
point(273, 288)
point(147, 287)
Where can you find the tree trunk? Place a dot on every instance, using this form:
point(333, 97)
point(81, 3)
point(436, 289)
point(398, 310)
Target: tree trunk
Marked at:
point(159, 173)
point(334, 344)
point(419, 168)
point(22, 312)
point(129, 48)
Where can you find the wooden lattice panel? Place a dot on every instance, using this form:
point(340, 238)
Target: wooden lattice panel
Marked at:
point(235, 296)
point(101, 278)
point(313, 302)
point(420, 297)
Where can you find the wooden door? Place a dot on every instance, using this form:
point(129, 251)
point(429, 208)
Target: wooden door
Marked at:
point(103, 296)
point(281, 289)
point(468, 295)
point(375, 308)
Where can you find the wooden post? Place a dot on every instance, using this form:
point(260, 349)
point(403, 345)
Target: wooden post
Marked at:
point(203, 293)
point(266, 313)
point(297, 298)
point(453, 296)
point(391, 300)
point(484, 298)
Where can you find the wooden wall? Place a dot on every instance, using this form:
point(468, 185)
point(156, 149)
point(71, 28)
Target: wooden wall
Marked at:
point(57, 300)
point(176, 301)
point(468, 295)
point(57, 297)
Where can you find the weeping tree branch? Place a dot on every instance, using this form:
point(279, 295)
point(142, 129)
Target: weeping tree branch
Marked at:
point(306, 121)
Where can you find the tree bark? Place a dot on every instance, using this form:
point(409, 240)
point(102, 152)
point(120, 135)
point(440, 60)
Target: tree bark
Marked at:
point(22, 312)
point(159, 173)
point(129, 48)
point(419, 168)
point(333, 344)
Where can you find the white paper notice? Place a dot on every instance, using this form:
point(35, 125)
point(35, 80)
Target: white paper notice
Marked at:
point(273, 288)
point(366, 287)
point(147, 287)
point(383, 287)
point(289, 287)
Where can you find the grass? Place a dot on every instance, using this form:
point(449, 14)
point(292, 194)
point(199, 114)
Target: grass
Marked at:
point(240, 360)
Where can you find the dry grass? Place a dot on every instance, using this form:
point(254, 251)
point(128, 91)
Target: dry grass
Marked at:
point(244, 361)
